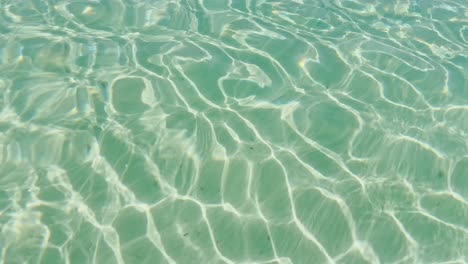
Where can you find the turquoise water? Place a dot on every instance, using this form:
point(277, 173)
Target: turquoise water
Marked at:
point(241, 131)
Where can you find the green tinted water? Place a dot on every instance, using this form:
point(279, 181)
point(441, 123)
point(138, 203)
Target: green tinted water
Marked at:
point(215, 131)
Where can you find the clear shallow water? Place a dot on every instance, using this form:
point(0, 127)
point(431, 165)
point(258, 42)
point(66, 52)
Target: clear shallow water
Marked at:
point(233, 131)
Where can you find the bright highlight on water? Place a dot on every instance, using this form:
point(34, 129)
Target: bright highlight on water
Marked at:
point(233, 131)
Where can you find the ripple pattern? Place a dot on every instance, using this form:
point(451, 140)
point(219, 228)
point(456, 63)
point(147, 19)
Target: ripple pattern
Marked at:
point(234, 131)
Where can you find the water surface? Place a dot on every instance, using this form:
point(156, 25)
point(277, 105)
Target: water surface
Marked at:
point(241, 131)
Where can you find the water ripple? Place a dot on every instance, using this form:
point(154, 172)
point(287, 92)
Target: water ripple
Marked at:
point(222, 131)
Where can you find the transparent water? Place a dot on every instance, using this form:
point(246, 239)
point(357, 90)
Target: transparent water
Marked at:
point(242, 131)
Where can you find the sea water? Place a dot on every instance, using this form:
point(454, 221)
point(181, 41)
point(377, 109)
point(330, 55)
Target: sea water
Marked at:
point(233, 131)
